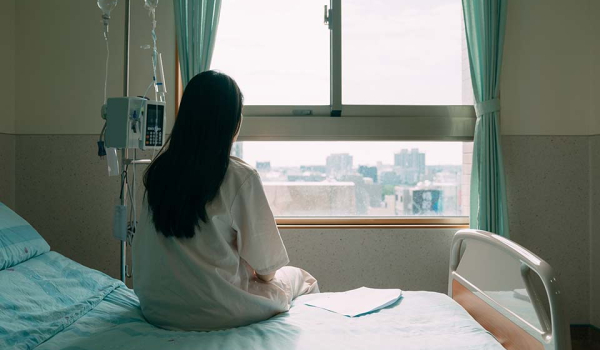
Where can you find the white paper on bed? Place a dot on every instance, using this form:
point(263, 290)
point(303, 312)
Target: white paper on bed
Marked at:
point(521, 294)
point(356, 302)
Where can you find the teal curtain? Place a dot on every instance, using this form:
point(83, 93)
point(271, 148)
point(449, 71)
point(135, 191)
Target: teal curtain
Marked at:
point(196, 23)
point(485, 21)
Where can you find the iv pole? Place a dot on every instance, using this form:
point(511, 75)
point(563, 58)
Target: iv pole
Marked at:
point(124, 151)
point(125, 160)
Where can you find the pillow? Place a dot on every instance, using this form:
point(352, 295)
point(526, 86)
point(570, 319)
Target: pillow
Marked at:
point(18, 240)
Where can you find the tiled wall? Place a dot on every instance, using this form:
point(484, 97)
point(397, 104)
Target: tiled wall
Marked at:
point(388, 258)
point(548, 198)
point(7, 169)
point(64, 191)
point(595, 231)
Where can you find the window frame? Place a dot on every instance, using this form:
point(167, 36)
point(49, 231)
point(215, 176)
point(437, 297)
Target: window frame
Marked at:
point(340, 122)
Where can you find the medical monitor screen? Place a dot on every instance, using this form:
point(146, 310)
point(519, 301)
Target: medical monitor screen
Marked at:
point(154, 125)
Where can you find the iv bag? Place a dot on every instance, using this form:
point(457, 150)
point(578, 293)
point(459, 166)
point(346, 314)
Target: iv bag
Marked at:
point(151, 4)
point(107, 6)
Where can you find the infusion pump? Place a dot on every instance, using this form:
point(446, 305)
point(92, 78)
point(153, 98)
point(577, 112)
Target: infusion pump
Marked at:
point(134, 122)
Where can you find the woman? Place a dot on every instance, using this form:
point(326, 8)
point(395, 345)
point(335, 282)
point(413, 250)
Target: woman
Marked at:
point(207, 254)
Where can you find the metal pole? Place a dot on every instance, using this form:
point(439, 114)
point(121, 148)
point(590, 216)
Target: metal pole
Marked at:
point(126, 51)
point(124, 153)
point(335, 22)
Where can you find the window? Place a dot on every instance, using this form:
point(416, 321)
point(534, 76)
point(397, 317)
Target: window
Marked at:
point(353, 108)
point(278, 51)
point(365, 179)
point(403, 52)
point(384, 53)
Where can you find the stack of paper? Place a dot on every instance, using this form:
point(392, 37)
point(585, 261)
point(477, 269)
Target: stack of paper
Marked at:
point(521, 294)
point(356, 302)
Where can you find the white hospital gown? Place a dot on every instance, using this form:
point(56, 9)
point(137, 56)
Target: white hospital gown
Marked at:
point(207, 282)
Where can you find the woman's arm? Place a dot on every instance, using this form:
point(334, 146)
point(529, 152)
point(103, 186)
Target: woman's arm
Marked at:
point(266, 278)
point(258, 240)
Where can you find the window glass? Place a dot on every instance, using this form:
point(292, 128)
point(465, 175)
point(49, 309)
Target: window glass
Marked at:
point(362, 178)
point(404, 52)
point(277, 51)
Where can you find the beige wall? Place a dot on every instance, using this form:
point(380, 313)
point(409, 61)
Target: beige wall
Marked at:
point(61, 60)
point(7, 67)
point(595, 173)
point(595, 70)
point(546, 80)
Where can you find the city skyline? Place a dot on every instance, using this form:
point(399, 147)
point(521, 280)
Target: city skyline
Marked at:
point(308, 153)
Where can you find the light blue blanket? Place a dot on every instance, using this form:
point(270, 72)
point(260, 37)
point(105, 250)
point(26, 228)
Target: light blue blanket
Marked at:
point(44, 295)
point(420, 320)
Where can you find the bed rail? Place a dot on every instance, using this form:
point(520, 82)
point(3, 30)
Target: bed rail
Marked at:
point(512, 330)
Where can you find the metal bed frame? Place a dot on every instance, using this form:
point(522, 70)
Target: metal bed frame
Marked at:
point(510, 329)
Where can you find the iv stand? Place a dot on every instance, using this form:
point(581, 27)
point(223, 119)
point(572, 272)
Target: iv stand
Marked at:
point(124, 152)
point(126, 161)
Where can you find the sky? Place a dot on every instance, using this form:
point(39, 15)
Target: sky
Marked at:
point(393, 52)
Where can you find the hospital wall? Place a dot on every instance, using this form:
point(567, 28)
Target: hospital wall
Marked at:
point(595, 231)
point(7, 103)
point(548, 118)
point(550, 121)
point(595, 171)
point(7, 169)
point(67, 80)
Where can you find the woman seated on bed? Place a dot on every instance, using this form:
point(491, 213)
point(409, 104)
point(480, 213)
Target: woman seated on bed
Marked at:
point(207, 254)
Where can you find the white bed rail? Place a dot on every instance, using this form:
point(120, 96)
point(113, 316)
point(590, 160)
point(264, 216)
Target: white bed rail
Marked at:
point(554, 333)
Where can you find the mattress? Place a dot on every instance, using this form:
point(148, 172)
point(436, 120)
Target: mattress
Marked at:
point(106, 315)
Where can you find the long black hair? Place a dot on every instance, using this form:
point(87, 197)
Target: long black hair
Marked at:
point(188, 172)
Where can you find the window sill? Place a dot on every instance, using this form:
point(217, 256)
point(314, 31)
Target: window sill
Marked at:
point(372, 223)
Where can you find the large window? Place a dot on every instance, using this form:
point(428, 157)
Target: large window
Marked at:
point(403, 52)
point(368, 179)
point(374, 53)
point(278, 51)
point(353, 108)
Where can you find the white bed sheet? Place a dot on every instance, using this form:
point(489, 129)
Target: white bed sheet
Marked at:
point(419, 320)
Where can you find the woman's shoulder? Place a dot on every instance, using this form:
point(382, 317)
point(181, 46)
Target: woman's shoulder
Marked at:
point(240, 170)
point(239, 173)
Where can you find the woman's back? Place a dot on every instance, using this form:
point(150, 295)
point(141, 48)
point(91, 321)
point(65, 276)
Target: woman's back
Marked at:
point(206, 282)
point(207, 253)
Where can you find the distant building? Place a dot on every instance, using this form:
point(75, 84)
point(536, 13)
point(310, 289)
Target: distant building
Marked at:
point(410, 166)
point(465, 183)
point(307, 177)
point(368, 194)
point(311, 198)
point(428, 199)
point(427, 202)
point(238, 150)
point(263, 166)
point(339, 164)
point(390, 178)
point(387, 207)
point(410, 160)
point(368, 171)
point(314, 168)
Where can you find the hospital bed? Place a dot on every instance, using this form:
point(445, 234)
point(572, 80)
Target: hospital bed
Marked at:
point(48, 302)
